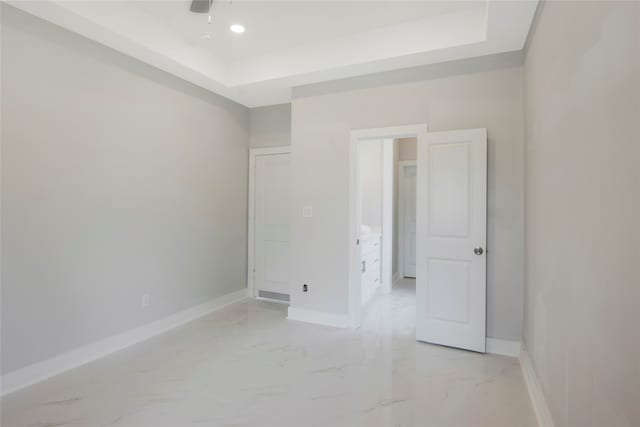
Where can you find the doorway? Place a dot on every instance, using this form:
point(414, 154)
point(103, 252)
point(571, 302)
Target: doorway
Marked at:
point(375, 193)
point(361, 234)
point(449, 229)
point(387, 217)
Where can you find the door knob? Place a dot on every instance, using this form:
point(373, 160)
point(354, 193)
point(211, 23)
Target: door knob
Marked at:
point(478, 250)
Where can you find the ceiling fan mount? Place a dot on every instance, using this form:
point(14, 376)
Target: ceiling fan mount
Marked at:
point(201, 6)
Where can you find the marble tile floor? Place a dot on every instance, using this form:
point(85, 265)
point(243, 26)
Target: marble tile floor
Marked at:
point(246, 365)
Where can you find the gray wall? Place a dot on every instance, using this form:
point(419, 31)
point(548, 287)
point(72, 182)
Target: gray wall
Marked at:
point(370, 168)
point(465, 94)
point(117, 180)
point(408, 149)
point(583, 210)
point(270, 126)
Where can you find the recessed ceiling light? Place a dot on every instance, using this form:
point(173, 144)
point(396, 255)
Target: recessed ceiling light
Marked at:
point(237, 28)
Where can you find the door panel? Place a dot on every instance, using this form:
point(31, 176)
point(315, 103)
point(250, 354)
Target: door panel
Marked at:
point(449, 190)
point(276, 262)
point(451, 222)
point(409, 221)
point(272, 256)
point(449, 290)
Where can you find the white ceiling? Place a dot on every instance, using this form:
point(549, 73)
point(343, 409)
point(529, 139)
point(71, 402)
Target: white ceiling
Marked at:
point(280, 25)
point(295, 42)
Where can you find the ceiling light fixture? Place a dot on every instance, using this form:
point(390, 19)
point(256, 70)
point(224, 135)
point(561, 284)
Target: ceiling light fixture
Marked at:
point(237, 28)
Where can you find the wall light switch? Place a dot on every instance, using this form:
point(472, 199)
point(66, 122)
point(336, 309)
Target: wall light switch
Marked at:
point(307, 212)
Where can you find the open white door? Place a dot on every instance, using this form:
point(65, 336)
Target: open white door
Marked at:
point(451, 239)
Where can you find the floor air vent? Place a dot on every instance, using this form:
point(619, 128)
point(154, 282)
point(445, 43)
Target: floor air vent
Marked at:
point(274, 295)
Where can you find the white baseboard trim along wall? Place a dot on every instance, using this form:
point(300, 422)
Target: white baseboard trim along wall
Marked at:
point(40, 371)
point(540, 407)
point(318, 317)
point(494, 346)
point(503, 347)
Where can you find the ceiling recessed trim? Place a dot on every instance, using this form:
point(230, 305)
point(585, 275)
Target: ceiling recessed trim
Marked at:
point(479, 28)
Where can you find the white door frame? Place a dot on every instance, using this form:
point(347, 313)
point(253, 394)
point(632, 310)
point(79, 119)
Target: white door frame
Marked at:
point(253, 153)
point(402, 164)
point(418, 131)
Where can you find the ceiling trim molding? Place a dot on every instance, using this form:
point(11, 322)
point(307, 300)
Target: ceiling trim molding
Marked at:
point(493, 27)
point(413, 74)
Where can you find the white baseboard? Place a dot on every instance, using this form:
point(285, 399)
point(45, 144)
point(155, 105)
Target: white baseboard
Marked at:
point(40, 371)
point(318, 317)
point(540, 407)
point(504, 347)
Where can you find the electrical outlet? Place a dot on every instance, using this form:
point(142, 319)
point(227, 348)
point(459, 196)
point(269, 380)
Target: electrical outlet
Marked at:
point(305, 288)
point(307, 212)
point(145, 301)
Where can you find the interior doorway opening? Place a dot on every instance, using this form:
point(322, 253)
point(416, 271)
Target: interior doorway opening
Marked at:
point(449, 214)
point(374, 220)
point(451, 209)
point(387, 213)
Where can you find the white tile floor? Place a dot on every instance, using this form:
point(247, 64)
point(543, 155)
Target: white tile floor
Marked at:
point(246, 365)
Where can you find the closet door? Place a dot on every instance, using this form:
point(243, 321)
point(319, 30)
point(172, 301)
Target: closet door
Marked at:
point(272, 221)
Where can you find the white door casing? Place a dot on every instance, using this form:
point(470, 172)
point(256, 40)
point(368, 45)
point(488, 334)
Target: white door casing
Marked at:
point(451, 228)
point(271, 260)
point(407, 218)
